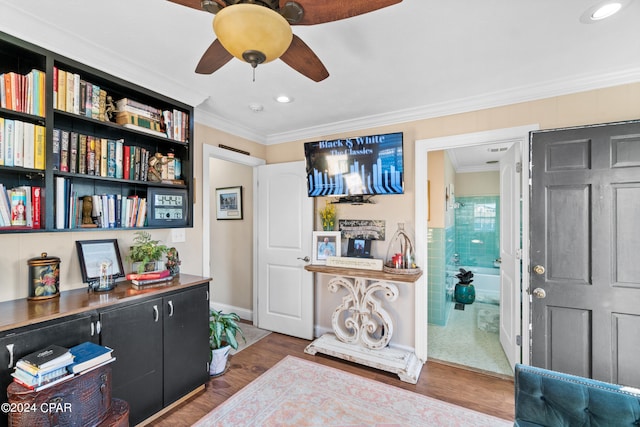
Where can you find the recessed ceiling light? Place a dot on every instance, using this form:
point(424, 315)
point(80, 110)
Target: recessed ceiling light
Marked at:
point(284, 99)
point(603, 10)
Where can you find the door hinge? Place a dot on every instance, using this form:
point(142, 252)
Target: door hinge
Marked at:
point(518, 340)
point(519, 167)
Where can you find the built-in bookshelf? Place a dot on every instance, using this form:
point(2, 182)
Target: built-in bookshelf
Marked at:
point(80, 149)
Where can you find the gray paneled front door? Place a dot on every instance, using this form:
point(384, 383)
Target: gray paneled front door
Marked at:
point(585, 251)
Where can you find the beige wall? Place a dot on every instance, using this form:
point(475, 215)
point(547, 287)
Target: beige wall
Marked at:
point(597, 106)
point(477, 183)
point(232, 240)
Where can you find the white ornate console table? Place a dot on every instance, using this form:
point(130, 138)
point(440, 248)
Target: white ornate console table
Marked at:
point(361, 325)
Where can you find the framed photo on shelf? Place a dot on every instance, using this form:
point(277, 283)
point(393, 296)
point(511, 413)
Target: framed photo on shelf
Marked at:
point(99, 258)
point(325, 244)
point(229, 203)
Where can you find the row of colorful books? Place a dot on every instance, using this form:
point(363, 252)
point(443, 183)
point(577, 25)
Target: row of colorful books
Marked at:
point(21, 206)
point(105, 210)
point(22, 144)
point(89, 155)
point(53, 364)
point(73, 94)
point(23, 92)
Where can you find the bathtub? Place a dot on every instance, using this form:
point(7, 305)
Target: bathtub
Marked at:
point(486, 281)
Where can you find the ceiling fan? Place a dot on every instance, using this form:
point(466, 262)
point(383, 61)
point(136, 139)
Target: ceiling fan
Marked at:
point(259, 31)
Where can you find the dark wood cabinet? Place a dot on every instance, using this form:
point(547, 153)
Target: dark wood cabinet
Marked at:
point(186, 342)
point(161, 349)
point(18, 59)
point(134, 332)
point(67, 332)
point(159, 337)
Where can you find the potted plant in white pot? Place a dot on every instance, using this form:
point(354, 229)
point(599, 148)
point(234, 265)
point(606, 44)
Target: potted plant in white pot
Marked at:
point(146, 253)
point(223, 331)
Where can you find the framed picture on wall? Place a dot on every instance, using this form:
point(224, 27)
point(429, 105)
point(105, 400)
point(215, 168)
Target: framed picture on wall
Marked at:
point(229, 203)
point(325, 244)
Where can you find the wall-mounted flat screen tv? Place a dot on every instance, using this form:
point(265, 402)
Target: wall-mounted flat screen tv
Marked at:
point(358, 166)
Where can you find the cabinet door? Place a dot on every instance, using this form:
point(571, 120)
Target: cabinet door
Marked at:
point(186, 342)
point(134, 332)
point(66, 332)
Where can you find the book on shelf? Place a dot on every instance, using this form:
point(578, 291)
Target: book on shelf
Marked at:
point(8, 141)
point(18, 143)
point(1, 140)
point(29, 145)
point(88, 355)
point(39, 148)
point(5, 207)
point(19, 207)
point(55, 148)
point(49, 358)
point(64, 151)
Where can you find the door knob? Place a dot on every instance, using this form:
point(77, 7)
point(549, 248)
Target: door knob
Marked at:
point(539, 269)
point(305, 259)
point(539, 293)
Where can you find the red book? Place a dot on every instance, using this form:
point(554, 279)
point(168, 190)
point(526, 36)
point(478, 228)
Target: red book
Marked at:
point(148, 276)
point(36, 206)
point(126, 153)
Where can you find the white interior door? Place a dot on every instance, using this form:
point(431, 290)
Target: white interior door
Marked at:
point(285, 225)
point(510, 242)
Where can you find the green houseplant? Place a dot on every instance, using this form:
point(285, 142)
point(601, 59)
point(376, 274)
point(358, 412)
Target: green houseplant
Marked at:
point(223, 336)
point(146, 252)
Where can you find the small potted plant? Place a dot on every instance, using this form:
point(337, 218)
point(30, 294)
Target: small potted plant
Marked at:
point(464, 292)
point(328, 216)
point(223, 331)
point(146, 253)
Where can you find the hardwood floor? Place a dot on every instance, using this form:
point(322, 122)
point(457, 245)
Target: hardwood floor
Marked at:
point(473, 390)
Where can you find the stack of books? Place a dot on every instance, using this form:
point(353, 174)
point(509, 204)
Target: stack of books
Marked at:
point(88, 356)
point(150, 278)
point(43, 368)
point(53, 364)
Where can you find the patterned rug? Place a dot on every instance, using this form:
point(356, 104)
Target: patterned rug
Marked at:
point(297, 392)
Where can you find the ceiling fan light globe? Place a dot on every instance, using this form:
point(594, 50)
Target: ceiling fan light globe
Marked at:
point(251, 27)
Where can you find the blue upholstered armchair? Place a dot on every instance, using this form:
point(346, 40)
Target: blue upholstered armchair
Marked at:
point(548, 398)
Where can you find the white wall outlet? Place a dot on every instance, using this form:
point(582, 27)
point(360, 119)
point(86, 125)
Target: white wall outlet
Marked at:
point(178, 235)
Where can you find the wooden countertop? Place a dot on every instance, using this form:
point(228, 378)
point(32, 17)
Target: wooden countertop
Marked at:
point(24, 312)
point(369, 274)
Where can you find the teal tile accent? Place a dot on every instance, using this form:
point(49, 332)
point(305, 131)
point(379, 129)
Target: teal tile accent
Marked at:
point(436, 240)
point(477, 230)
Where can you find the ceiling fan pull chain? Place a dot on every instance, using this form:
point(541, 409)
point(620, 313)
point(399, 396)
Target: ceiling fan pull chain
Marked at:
point(254, 73)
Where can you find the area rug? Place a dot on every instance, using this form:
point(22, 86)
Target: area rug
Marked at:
point(252, 336)
point(297, 392)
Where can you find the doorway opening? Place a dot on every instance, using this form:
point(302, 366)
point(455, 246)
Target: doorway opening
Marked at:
point(468, 333)
point(514, 338)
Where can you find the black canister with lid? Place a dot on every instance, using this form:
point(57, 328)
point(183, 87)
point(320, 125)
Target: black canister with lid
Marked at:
point(44, 277)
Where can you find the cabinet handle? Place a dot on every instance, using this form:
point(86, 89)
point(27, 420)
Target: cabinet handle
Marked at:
point(10, 350)
point(93, 329)
point(170, 308)
point(155, 313)
point(98, 327)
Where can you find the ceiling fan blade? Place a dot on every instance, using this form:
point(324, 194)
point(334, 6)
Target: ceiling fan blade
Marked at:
point(214, 57)
point(194, 4)
point(302, 59)
point(321, 11)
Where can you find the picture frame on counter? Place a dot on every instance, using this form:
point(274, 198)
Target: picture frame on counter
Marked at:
point(325, 244)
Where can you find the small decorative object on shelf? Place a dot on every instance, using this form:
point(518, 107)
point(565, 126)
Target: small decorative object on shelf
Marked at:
point(465, 292)
point(173, 261)
point(328, 216)
point(44, 277)
point(400, 255)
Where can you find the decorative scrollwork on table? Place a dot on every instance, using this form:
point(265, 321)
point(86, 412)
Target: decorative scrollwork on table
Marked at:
point(361, 317)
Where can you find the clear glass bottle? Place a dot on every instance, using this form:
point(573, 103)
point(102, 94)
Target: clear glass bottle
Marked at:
point(400, 254)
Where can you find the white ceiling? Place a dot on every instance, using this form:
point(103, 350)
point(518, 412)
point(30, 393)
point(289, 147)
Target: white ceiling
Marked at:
point(413, 60)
